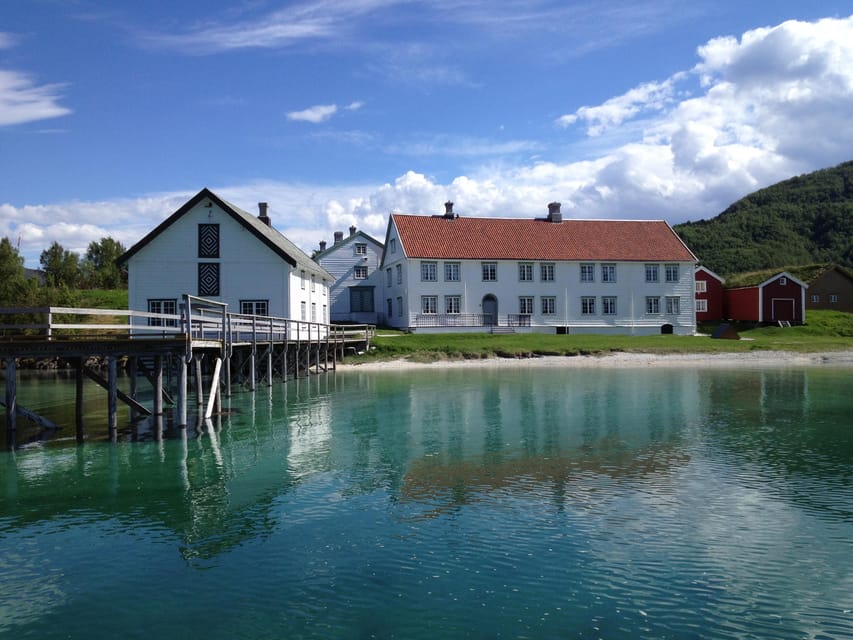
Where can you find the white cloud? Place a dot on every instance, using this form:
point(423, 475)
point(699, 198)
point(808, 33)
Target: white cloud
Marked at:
point(21, 100)
point(316, 114)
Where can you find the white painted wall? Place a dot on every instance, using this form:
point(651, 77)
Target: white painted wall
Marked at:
point(167, 267)
point(340, 261)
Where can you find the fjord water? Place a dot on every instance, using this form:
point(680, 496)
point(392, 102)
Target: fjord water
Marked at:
point(475, 503)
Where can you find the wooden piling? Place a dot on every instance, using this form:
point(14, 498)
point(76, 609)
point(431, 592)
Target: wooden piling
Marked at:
point(112, 395)
point(11, 401)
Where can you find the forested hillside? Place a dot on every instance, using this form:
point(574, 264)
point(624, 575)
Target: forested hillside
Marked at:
point(807, 219)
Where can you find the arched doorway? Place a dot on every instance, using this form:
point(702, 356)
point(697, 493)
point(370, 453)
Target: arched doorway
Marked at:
point(666, 329)
point(490, 310)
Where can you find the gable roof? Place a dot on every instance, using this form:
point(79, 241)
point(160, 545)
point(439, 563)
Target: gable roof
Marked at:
point(439, 237)
point(710, 273)
point(760, 284)
point(269, 236)
point(358, 234)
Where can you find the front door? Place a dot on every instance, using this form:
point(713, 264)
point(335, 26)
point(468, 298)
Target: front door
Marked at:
point(490, 310)
point(783, 309)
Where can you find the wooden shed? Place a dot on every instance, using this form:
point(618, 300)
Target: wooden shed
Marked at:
point(780, 298)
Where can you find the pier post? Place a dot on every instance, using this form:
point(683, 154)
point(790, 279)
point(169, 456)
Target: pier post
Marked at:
point(199, 387)
point(78, 401)
point(11, 401)
point(158, 385)
point(252, 370)
point(181, 406)
point(112, 403)
point(131, 371)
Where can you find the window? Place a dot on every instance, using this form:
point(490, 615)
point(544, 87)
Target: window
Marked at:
point(490, 271)
point(399, 274)
point(169, 306)
point(701, 306)
point(608, 273)
point(673, 305)
point(208, 278)
point(313, 282)
point(701, 286)
point(429, 304)
point(400, 306)
point(360, 273)
point(303, 311)
point(587, 305)
point(452, 304)
point(390, 308)
point(652, 305)
point(546, 272)
point(815, 298)
point(388, 277)
point(313, 312)
point(549, 305)
point(833, 298)
point(608, 305)
point(302, 276)
point(392, 245)
point(783, 282)
point(652, 272)
point(451, 272)
point(429, 271)
point(361, 299)
point(325, 314)
point(255, 307)
point(360, 249)
point(671, 272)
point(208, 241)
point(525, 272)
point(325, 288)
point(525, 305)
point(587, 272)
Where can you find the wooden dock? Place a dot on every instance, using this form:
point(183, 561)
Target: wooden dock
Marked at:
point(206, 350)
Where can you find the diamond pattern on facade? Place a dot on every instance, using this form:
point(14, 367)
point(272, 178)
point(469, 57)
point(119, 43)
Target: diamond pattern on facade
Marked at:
point(208, 241)
point(208, 279)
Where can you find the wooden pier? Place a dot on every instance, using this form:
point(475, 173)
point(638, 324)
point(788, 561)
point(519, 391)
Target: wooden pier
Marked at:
point(204, 342)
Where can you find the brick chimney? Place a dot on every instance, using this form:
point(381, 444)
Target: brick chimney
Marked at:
point(339, 237)
point(322, 245)
point(448, 210)
point(352, 231)
point(554, 214)
point(262, 214)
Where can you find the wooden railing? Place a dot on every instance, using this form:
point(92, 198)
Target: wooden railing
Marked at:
point(199, 320)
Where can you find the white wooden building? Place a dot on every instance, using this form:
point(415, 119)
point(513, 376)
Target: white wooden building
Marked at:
point(452, 273)
point(213, 249)
point(353, 262)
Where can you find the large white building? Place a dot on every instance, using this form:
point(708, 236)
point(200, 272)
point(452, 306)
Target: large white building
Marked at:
point(353, 262)
point(452, 273)
point(213, 249)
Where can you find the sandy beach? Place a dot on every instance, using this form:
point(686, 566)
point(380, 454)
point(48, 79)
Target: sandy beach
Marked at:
point(628, 360)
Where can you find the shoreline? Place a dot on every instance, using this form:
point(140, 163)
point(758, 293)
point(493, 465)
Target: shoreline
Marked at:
point(625, 360)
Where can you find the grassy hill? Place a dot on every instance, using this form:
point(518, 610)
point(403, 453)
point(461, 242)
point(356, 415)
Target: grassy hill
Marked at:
point(803, 220)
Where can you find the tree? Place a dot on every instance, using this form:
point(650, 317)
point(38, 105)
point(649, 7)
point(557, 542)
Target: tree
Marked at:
point(61, 267)
point(100, 264)
point(13, 279)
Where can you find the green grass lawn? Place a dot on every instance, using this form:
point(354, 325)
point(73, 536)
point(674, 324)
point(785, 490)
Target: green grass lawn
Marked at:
point(825, 331)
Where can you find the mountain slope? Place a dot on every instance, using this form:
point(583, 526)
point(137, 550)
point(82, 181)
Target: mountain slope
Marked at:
point(802, 220)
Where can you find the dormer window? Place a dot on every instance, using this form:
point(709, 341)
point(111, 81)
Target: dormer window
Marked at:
point(360, 249)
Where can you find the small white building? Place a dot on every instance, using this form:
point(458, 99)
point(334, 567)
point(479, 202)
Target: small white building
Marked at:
point(452, 273)
point(353, 262)
point(213, 249)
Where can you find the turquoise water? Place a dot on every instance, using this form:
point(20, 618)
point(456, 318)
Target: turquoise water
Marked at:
point(531, 503)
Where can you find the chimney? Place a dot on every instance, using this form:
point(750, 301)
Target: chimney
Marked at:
point(554, 214)
point(352, 231)
point(448, 210)
point(322, 245)
point(262, 214)
point(339, 237)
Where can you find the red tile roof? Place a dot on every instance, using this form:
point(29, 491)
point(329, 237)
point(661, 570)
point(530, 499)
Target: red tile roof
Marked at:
point(538, 239)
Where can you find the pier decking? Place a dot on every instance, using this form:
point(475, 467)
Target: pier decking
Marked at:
point(203, 342)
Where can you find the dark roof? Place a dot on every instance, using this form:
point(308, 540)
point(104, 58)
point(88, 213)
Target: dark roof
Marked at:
point(438, 237)
point(347, 240)
point(268, 235)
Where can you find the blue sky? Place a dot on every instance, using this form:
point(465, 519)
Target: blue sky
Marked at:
point(113, 113)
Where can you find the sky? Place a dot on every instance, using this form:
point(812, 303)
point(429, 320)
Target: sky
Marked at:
point(337, 113)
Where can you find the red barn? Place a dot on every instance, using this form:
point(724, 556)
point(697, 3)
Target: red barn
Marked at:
point(781, 298)
point(709, 295)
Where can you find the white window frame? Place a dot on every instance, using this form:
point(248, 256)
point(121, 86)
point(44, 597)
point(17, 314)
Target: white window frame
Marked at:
point(360, 272)
point(452, 271)
point(701, 286)
point(255, 307)
point(548, 304)
point(652, 305)
point(525, 305)
point(162, 305)
point(673, 305)
point(652, 273)
point(489, 271)
point(671, 272)
point(608, 305)
point(429, 305)
point(525, 272)
point(608, 272)
point(399, 274)
point(702, 306)
point(361, 248)
point(453, 305)
point(429, 271)
point(546, 272)
point(587, 272)
point(587, 305)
